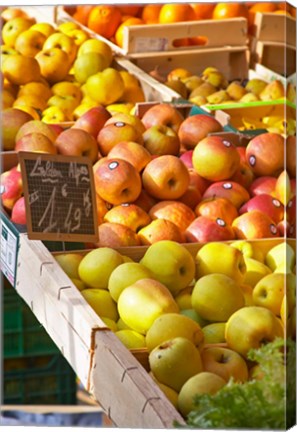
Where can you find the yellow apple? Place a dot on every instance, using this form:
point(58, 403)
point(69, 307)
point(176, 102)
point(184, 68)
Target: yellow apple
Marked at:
point(67, 104)
point(214, 333)
point(216, 297)
point(255, 270)
point(97, 265)
point(105, 87)
point(257, 324)
point(249, 249)
point(63, 42)
point(69, 263)
point(209, 260)
point(171, 394)
point(101, 301)
point(171, 325)
point(110, 323)
point(82, 108)
point(54, 64)
point(67, 27)
point(79, 284)
point(171, 263)
point(131, 339)
point(30, 100)
point(86, 65)
point(53, 114)
point(30, 42)
point(269, 292)
point(35, 88)
point(13, 28)
point(247, 291)
point(98, 46)
point(79, 36)
point(183, 298)
point(281, 258)
point(44, 27)
point(142, 302)
point(122, 325)
point(66, 88)
point(5, 52)
point(20, 70)
point(7, 99)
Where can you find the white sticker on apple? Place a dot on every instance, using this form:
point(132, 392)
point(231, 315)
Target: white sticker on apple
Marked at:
point(227, 186)
point(276, 203)
point(252, 160)
point(120, 124)
point(113, 165)
point(221, 222)
point(226, 143)
point(273, 229)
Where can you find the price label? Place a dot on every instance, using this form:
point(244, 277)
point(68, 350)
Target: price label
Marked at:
point(59, 196)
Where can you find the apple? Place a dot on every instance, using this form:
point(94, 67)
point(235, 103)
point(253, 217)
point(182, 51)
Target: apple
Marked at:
point(112, 134)
point(225, 363)
point(260, 158)
point(67, 89)
point(217, 207)
point(11, 121)
point(99, 46)
point(12, 187)
point(172, 325)
point(105, 87)
point(36, 142)
point(97, 265)
point(132, 152)
point(63, 42)
point(56, 128)
point(230, 190)
point(291, 210)
point(254, 225)
point(281, 258)
point(92, 121)
point(87, 65)
point(192, 196)
point(20, 70)
point(167, 362)
point(243, 175)
point(183, 299)
point(44, 27)
point(214, 333)
point(204, 229)
point(131, 339)
point(115, 235)
point(160, 229)
point(128, 214)
point(162, 114)
point(260, 326)
point(250, 249)
point(67, 104)
point(282, 189)
point(265, 203)
point(69, 263)
point(8, 13)
point(142, 302)
point(36, 126)
point(269, 292)
point(175, 211)
point(242, 153)
point(130, 119)
point(29, 42)
point(100, 300)
point(195, 128)
point(116, 181)
point(54, 64)
point(161, 140)
point(216, 297)
point(171, 263)
point(14, 27)
point(215, 158)
point(291, 155)
point(125, 275)
point(255, 271)
point(18, 213)
point(202, 383)
point(145, 201)
point(77, 142)
point(186, 157)
point(262, 185)
point(208, 261)
point(166, 177)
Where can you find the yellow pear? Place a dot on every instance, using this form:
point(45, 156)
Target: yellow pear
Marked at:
point(255, 86)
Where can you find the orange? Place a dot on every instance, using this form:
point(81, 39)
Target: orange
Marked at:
point(150, 13)
point(282, 12)
point(104, 20)
point(181, 42)
point(176, 12)
point(119, 36)
point(230, 10)
point(131, 10)
point(198, 40)
point(203, 10)
point(263, 7)
point(82, 14)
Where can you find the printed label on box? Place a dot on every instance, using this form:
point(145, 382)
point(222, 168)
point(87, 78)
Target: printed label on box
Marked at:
point(9, 251)
point(148, 44)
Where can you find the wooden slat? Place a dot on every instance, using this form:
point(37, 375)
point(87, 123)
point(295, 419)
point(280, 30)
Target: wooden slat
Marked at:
point(271, 27)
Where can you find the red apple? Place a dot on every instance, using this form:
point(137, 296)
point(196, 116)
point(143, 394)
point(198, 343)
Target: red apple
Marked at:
point(116, 181)
point(35, 142)
point(11, 121)
point(18, 213)
point(192, 196)
point(265, 154)
point(56, 128)
point(217, 207)
point(230, 190)
point(284, 228)
point(162, 114)
point(166, 177)
point(93, 120)
point(204, 229)
point(177, 212)
point(161, 140)
point(112, 134)
point(130, 119)
point(291, 210)
point(215, 158)
point(195, 128)
point(267, 204)
point(11, 187)
point(244, 175)
point(262, 185)
point(254, 225)
point(115, 235)
point(131, 152)
point(102, 208)
point(291, 155)
point(145, 201)
point(293, 186)
point(39, 127)
point(186, 157)
point(160, 229)
point(242, 153)
point(77, 142)
point(128, 214)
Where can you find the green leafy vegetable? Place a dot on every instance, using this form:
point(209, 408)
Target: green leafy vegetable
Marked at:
point(269, 403)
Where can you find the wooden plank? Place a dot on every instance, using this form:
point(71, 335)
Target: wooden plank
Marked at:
point(277, 56)
point(271, 27)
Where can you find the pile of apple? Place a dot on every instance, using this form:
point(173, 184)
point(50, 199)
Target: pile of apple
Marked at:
point(166, 177)
point(197, 315)
point(58, 73)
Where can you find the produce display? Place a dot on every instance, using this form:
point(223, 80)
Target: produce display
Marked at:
point(198, 316)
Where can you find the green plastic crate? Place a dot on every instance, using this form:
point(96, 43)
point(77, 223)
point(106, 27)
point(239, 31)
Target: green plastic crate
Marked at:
point(43, 380)
point(22, 334)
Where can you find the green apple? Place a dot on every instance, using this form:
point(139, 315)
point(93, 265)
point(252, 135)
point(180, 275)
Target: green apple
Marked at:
point(144, 301)
point(216, 297)
point(217, 257)
point(69, 263)
point(257, 324)
point(131, 338)
point(171, 325)
point(281, 258)
point(202, 383)
point(175, 361)
point(97, 265)
point(102, 303)
point(125, 275)
point(255, 270)
point(171, 263)
point(86, 65)
point(214, 333)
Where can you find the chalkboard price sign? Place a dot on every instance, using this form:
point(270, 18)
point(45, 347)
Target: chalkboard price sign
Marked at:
point(59, 197)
